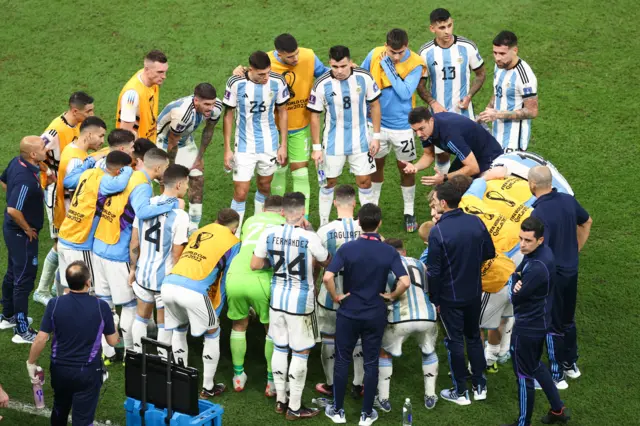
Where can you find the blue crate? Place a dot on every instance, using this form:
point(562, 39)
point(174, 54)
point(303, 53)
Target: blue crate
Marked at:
point(210, 415)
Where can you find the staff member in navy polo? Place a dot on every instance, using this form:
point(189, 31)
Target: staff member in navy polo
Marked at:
point(365, 264)
point(77, 321)
point(531, 292)
point(474, 147)
point(23, 220)
point(458, 245)
point(567, 227)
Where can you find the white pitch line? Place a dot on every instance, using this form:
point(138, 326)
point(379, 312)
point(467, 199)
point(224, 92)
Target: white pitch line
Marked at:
point(46, 412)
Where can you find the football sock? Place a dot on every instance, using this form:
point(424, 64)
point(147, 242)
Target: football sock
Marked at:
point(164, 336)
point(138, 331)
point(377, 190)
point(385, 369)
point(297, 377)
point(210, 358)
point(408, 195)
point(327, 356)
point(365, 195)
point(179, 346)
point(280, 367)
point(325, 201)
point(491, 353)
point(505, 342)
point(258, 202)
point(268, 355)
point(239, 206)
point(279, 182)
point(127, 317)
point(195, 214)
point(442, 168)
point(430, 373)
point(108, 350)
point(300, 180)
point(48, 272)
point(238, 343)
point(358, 364)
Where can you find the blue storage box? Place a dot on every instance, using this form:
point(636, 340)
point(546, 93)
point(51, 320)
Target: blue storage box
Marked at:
point(210, 415)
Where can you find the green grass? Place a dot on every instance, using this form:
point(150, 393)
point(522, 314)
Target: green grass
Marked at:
point(582, 53)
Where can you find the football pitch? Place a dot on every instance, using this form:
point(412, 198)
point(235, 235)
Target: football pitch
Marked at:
point(582, 53)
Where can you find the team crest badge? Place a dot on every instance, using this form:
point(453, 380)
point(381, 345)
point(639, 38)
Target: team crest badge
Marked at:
point(460, 60)
point(358, 89)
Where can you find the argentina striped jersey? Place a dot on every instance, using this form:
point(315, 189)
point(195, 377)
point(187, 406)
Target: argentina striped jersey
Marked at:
point(414, 304)
point(182, 118)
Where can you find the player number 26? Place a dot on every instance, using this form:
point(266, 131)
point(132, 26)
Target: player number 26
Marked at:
point(257, 107)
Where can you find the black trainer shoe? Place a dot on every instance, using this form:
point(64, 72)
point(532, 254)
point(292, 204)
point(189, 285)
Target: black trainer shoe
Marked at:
point(553, 417)
point(217, 389)
point(302, 413)
point(357, 391)
point(281, 407)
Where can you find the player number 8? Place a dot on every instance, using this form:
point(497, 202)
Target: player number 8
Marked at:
point(346, 102)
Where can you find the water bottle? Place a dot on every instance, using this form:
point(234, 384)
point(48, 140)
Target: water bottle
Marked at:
point(233, 166)
point(38, 393)
point(322, 177)
point(407, 416)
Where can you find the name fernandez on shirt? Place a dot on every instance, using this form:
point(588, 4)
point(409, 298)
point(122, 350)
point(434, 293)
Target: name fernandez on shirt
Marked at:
point(289, 242)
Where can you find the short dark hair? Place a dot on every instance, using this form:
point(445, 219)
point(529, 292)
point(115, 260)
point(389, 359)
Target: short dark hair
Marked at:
point(419, 114)
point(156, 56)
point(80, 99)
point(141, 146)
point(345, 193)
point(461, 183)
point(273, 202)
point(293, 201)
point(93, 122)
point(505, 38)
point(119, 137)
point(396, 243)
point(77, 275)
point(397, 38)
point(533, 224)
point(285, 43)
point(259, 60)
point(205, 91)
point(155, 155)
point(448, 192)
point(439, 15)
point(117, 160)
point(227, 217)
point(369, 217)
point(338, 53)
point(174, 174)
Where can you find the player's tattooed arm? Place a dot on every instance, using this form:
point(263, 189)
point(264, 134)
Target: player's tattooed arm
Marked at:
point(424, 92)
point(477, 83)
point(172, 146)
point(529, 110)
point(492, 102)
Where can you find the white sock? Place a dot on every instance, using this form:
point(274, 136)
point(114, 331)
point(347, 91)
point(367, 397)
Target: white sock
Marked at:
point(48, 272)
point(138, 331)
point(408, 195)
point(258, 202)
point(358, 364)
point(280, 367)
point(179, 346)
point(377, 190)
point(325, 201)
point(491, 353)
point(505, 342)
point(164, 336)
point(430, 372)
point(385, 369)
point(195, 214)
point(442, 168)
point(327, 356)
point(239, 206)
point(297, 377)
point(365, 195)
point(210, 358)
point(108, 350)
point(127, 317)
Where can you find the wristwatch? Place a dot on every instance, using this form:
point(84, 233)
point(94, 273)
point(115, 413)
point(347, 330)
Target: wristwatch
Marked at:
point(446, 178)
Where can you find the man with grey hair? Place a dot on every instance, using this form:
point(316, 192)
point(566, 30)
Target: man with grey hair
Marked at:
point(566, 230)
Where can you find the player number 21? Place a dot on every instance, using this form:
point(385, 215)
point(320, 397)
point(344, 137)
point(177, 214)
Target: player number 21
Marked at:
point(257, 107)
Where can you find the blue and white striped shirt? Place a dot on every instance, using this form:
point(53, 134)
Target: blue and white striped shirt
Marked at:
point(414, 304)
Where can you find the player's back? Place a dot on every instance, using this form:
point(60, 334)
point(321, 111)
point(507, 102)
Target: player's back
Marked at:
point(333, 235)
point(414, 304)
point(182, 111)
point(519, 163)
point(251, 231)
point(59, 133)
point(504, 233)
point(157, 237)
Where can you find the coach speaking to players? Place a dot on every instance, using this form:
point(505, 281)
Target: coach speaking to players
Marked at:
point(473, 146)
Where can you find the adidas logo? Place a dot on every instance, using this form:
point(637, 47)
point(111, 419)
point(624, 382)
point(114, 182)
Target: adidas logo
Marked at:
point(207, 357)
point(291, 377)
point(179, 351)
point(429, 375)
point(332, 94)
point(245, 96)
point(434, 64)
point(279, 373)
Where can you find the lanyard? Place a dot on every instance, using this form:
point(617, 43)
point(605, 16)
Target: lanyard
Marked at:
point(27, 167)
point(372, 237)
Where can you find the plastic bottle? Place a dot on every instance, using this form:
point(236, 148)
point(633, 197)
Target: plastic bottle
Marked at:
point(407, 416)
point(38, 393)
point(322, 177)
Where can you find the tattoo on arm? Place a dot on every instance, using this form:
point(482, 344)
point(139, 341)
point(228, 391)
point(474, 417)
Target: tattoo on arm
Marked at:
point(207, 137)
point(492, 102)
point(424, 92)
point(529, 110)
point(477, 83)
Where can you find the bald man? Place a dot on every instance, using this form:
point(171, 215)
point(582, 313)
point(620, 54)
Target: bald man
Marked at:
point(566, 229)
point(23, 220)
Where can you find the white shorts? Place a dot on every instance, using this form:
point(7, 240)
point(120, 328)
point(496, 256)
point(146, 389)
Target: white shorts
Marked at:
point(187, 156)
point(246, 164)
point(426, 332)
point(294, 331)
point(49, 195)
point(184, 306)
point(67, 255)
point(361, 164)
point(495, 306)
point(148, 296)
point(402, 142)
point(326, 321)
point(112, 280)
